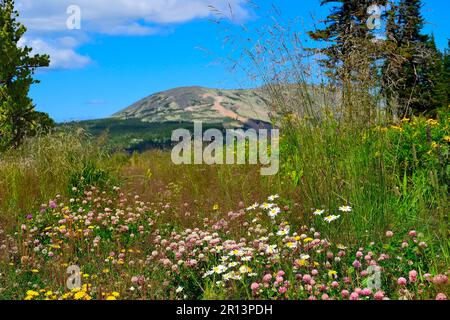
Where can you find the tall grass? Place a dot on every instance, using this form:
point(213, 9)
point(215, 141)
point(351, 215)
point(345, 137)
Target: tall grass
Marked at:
point(45, 166)
point(331, 150)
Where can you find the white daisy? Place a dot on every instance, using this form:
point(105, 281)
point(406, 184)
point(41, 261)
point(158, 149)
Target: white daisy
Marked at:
point(245, 269)
point(227, 276)
point(291, 245)
point(331, 218)
point(179, 289)
point(266, 206)
point(274, 212)
point(208, 273)
point(271, 249)
point(219, 269)
point(318, 212)
point(273, 198)
point(236, 252)
point(283, 232)
point(345, 208)
point(253, 207)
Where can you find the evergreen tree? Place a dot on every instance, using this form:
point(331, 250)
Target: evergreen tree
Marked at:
point(18, 118)
point(432, 84)
point(350, 56)
point(393, 61)
point(345, 32)
point(413, 64)
point(446, 76)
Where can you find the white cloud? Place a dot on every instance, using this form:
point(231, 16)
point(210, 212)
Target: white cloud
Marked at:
point(128, 15)
point(48, 33)
point(61, 51)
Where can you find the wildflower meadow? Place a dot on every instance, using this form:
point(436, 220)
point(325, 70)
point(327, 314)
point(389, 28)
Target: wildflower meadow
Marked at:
point(331, 182)
point(138, 228)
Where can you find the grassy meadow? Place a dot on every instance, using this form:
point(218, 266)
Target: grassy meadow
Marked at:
point(358, 210)
point(350, 206)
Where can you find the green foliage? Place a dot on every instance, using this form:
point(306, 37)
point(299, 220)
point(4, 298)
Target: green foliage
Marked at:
point(446, 76)
point(50, 164)
point(345, 32)
point(133, 134)
point(421, 144)
point(90, 175)
point(18, 118)
point(406, 66)
point(395, 176)
point(413, 72)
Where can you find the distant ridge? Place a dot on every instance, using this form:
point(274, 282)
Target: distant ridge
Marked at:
point(235, 108)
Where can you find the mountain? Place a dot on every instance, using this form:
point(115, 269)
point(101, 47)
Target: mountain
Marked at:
point(149, 122)
point(233, 108)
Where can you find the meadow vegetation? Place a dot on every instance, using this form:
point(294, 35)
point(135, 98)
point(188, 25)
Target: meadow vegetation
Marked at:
point(140, 227)
point(358, 210)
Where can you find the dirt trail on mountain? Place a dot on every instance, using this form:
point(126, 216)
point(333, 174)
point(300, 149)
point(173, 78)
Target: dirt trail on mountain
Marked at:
point(229, 113)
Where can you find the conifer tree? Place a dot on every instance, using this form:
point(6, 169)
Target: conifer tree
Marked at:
point(413, 65)
point(344, 32)
point(432, 85)
point(350, 55)
point(18, 118)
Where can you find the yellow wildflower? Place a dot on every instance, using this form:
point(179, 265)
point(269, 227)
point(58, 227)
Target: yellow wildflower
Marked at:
point(79, 295)
point(65, 296)
point(397, 128)
point(32, 293)
point(332, 274)
point(301, 262)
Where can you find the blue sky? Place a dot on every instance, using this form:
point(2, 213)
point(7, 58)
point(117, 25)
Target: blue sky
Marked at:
point(129, 49)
